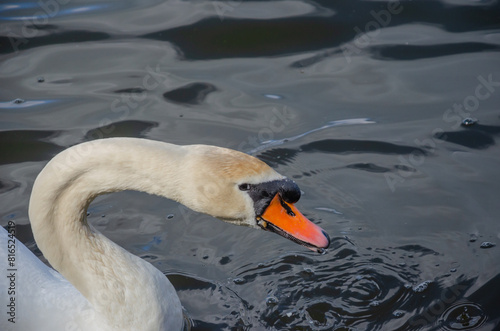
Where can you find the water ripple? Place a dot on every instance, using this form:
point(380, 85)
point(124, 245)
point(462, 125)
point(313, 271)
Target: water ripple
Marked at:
point(348, 288)
point(331, 124)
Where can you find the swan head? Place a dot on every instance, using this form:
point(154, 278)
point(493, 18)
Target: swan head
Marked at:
point(241, 189)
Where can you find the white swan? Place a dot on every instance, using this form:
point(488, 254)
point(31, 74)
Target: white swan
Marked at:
point(104, 287)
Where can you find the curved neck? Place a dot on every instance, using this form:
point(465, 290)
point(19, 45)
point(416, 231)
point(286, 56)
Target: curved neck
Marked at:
point(93, 264)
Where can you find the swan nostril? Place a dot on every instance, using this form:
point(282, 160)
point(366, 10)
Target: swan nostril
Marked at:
point(287, 208)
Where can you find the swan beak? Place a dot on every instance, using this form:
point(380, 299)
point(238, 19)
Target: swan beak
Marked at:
point(286, 220)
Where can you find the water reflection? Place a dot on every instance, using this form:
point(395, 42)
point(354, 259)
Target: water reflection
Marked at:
point(121, 129)
point(18, 146)
point(411, 52)
point(190, 94)
point(475, 136)
point(345, 146)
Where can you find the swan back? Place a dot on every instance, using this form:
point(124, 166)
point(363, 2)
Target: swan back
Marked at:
point(44, 300)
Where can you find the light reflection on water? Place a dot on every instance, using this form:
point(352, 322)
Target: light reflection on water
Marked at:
point(20, 103)
point(41, 11)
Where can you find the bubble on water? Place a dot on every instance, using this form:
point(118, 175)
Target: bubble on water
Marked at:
point(239, 281)
point(271, 301)
point(422, 286)
point(472, 237)
point(398, 313)
point(40, 79)
point(469, 121)
point(463, 316)
point(487, 244)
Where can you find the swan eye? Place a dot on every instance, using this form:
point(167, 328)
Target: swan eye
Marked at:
point(244, 187)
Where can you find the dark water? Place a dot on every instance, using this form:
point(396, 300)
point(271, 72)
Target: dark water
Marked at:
point(360, 102)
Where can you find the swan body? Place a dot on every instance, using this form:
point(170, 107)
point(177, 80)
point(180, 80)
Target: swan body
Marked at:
point(101, 286)
point(40, 291)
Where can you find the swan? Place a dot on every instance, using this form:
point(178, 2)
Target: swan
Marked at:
point(100, 286)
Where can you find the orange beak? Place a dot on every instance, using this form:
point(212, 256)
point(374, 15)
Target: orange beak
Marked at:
point(286, 220)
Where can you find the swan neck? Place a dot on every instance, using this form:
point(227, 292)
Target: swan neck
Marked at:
point(58, 213)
